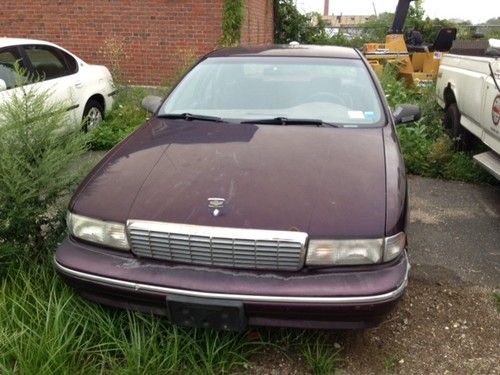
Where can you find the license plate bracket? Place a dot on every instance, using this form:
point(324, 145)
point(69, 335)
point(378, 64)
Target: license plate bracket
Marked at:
point(218, 314)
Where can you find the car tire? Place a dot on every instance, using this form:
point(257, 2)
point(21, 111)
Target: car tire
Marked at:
point(462, 139)
point(93, 114)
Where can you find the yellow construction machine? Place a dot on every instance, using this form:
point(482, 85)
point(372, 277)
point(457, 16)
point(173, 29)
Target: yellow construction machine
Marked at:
point(417, 63)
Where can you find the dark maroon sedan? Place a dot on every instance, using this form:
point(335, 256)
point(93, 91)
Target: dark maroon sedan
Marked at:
point(267, 189)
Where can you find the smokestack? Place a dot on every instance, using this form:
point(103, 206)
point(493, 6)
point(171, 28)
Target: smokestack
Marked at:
point(326, 10)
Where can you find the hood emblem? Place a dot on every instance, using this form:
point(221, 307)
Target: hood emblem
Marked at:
point(216, 205)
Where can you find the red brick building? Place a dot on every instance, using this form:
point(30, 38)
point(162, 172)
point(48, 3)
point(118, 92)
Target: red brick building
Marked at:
point(148, 41)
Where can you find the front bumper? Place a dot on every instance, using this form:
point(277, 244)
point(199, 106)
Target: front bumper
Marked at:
point(354, 297)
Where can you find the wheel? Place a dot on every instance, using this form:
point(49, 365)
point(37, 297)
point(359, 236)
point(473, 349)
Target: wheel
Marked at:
point(461, 138)
point(93, 114)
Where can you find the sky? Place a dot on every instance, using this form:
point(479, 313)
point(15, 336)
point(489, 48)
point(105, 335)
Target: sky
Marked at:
point(473, 10)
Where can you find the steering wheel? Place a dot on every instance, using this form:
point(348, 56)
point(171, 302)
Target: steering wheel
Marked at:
point(327, 96)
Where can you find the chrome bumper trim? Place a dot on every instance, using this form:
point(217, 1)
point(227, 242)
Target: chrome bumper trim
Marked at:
point(106, 281)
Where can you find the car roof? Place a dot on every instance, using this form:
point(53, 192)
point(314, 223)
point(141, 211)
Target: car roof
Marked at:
point(6, 42)
point(297, 50)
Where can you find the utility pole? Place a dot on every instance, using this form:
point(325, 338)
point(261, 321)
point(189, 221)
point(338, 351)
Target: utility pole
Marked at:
point(374, 9)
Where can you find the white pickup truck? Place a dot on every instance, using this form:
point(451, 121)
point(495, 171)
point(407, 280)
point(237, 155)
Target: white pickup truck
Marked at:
point(468, 90)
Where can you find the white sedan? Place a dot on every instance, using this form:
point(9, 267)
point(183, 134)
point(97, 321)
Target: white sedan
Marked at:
point(86, 89)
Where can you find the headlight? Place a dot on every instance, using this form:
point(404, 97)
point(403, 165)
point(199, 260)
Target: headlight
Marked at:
point(353, 252)
point(97, 231)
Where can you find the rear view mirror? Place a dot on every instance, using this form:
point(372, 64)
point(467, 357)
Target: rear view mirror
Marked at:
point(3, 85)
point(407, 113)
point(151, 103)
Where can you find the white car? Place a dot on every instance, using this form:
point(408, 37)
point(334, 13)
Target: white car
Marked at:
point(86, 89)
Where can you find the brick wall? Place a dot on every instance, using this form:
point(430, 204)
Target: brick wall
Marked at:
point(258, 27)
point(150, 41)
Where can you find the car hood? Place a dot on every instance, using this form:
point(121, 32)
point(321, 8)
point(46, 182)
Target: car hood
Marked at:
point(329, 182)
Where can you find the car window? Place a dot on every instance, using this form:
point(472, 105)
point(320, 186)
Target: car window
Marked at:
point(47, 62)
point(8, 60)
point(246, 88)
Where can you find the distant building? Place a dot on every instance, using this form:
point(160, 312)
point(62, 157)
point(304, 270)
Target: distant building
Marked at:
point(342, 21)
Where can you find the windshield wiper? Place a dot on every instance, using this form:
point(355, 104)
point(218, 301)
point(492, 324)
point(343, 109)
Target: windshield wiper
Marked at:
point(190, 117)
point(292, 121)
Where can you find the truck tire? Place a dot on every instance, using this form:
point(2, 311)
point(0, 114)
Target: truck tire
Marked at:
point(462, 139)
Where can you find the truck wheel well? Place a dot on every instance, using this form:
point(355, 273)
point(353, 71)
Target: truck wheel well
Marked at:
point(449, 96)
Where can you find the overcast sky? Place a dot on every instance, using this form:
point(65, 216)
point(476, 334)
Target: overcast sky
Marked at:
point(472, 10)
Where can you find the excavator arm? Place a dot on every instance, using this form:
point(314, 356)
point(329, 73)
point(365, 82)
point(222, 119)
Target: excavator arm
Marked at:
point(400, 17)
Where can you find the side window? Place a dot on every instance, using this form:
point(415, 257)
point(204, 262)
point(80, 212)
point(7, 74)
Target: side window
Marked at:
point(71, 63)
point(47, 62)
point(8, 60)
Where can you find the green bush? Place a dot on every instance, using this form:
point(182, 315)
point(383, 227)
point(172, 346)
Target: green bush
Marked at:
point(40, 151)
point(427, 150)
point(232, 20)
point(126, 116)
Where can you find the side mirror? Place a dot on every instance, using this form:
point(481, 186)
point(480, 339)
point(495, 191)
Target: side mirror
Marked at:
point(151, 103)
point(407, 113)
point(3, 85)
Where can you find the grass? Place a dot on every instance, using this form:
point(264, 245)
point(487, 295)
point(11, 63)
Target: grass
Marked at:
point(126, 116)
point(46, 329)
point(321, 357)
point(495, 296)
point(390, 363)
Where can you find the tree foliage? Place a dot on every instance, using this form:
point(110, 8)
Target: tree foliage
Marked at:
point(377, 27)
point(290, 24)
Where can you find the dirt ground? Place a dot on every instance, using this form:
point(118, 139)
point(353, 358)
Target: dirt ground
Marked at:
point(440, 327)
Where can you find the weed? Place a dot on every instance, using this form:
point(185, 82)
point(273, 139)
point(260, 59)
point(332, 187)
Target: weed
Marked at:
point(495, 296)
point(390, 363)
point(321, 357)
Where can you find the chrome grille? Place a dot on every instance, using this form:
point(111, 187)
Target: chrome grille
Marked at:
point(217, 246)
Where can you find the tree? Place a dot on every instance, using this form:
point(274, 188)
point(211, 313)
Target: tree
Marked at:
point(290, 25)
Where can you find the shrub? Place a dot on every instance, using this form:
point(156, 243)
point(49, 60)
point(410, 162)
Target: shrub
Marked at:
point(40, 150)
point(126, 116)
point(426, 148)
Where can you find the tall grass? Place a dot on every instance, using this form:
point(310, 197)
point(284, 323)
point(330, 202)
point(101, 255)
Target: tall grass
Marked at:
point(46, 329)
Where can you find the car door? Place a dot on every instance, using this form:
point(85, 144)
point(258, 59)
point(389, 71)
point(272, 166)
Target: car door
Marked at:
point(54, 72)
point(9, 57)
point(491, 111)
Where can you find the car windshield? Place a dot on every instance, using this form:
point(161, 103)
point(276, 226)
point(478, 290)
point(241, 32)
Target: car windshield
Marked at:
point(236, 89)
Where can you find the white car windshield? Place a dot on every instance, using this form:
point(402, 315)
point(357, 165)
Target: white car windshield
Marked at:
point(236, 89)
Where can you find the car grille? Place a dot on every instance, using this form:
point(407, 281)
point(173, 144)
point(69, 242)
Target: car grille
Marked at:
point(216, 246)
